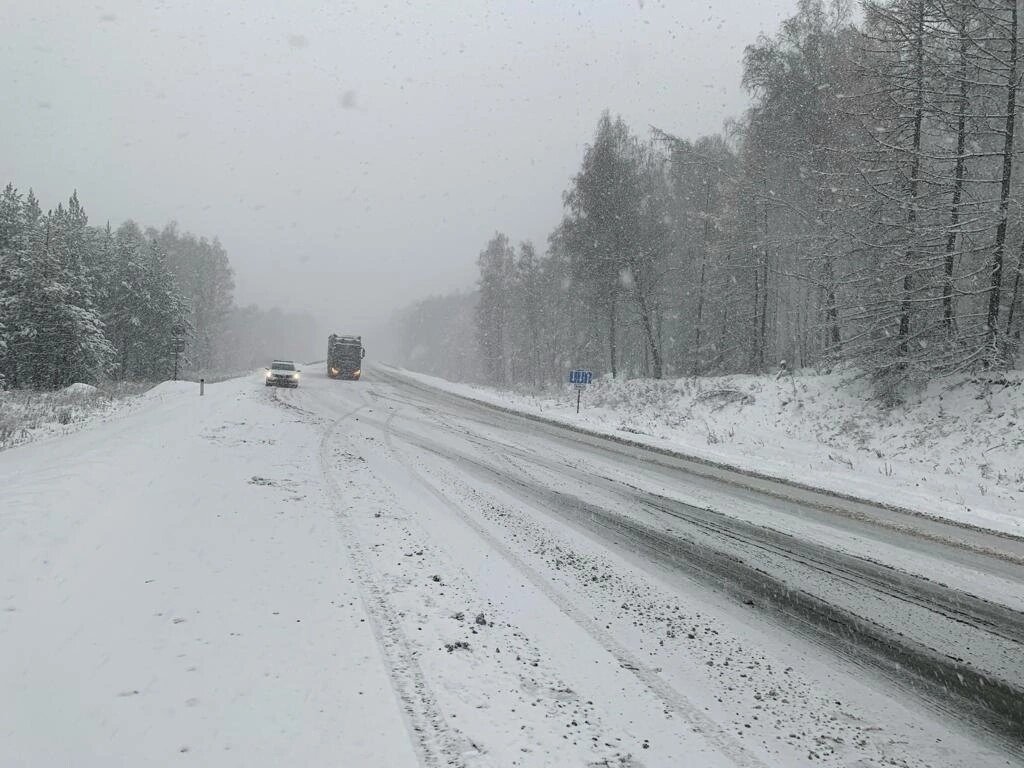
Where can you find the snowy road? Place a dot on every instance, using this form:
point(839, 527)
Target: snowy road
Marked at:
point(890, 581)
point(378, 574)
point(594, 527)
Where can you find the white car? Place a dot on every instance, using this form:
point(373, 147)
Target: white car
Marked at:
point(282, 373)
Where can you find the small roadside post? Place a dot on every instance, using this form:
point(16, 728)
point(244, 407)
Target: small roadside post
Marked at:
point(178, 344)
point(580, 378)
point(202, 386)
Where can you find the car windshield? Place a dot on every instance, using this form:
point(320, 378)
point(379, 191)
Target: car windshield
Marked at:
point(279, 366)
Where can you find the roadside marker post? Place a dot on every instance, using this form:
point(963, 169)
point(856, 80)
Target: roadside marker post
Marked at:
point(580, 378)
point(202, 386)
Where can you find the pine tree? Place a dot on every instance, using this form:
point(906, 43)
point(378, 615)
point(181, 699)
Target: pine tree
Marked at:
point(203, 275)
point(496, 264)
point(166, 326)
point(526, 308)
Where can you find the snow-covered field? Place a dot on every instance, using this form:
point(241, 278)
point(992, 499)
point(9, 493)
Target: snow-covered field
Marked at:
point(955, 450)
point(318, 577)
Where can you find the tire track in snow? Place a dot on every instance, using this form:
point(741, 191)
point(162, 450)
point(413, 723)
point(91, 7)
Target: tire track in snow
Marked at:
point(434, 743)
point(982, 701)
point(958, 606)
point(665, 693)
point(988, 698)
point(952, 533)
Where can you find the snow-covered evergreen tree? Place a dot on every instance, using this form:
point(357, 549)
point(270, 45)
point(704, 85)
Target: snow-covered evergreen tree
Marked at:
point(493, 312)
point(79, 303)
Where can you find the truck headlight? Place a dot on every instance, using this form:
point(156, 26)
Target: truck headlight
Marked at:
point(295, 375)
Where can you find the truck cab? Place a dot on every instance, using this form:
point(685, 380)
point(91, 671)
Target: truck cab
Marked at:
point(345, 357)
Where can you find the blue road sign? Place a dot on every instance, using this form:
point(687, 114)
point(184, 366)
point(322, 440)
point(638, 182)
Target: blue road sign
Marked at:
point(580, 376)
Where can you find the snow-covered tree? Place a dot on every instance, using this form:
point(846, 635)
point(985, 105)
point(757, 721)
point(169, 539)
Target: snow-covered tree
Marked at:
point(496, 263)
point(80, 303)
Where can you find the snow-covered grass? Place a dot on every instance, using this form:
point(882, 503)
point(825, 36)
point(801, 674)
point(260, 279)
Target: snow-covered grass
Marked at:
point(954, 449)
point(27, 415)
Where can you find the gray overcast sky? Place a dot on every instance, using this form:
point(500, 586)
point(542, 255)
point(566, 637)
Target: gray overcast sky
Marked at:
point(352, 156)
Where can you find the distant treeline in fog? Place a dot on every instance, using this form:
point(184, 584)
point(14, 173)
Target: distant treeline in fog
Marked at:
point(866, 208)
point(436, 336)
point(86, 303)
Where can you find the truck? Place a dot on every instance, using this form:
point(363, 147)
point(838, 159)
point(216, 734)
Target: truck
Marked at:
point(345, 357)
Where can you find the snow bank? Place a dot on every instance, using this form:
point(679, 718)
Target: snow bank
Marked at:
point(172, 388)
point(955, 449)
point(27, 415)
point(78, 388)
